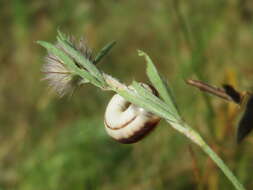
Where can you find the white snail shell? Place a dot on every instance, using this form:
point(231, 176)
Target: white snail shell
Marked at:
point(126, 122)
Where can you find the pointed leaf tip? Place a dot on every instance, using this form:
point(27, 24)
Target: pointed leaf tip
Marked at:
point(160, 85)
point(141, 53)
point(39, 42)
point(104, 51)
point(45, 44)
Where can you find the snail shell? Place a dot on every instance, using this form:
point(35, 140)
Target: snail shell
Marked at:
point(126, 122)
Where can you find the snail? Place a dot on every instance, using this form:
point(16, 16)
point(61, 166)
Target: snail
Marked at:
point(126, 122)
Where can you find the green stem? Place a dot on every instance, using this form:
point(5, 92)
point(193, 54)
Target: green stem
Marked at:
point(183, 128)
point(180, 126)
point(138, 96)
point(197, 139)
point(219, 162)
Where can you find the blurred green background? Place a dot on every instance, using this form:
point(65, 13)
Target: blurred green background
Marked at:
point(52, 143)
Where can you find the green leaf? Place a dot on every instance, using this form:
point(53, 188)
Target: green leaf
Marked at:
point(104, 51)
point(140, 101)
point(86, 63)
point(69, 63)
point(63, 36)
point(150, 97)
point(160, 85)
point(61, 55)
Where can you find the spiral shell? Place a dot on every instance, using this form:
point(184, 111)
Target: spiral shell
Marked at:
point(126, 122)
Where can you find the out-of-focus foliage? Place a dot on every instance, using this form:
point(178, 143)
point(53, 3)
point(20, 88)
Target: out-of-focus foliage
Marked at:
point(51, 143)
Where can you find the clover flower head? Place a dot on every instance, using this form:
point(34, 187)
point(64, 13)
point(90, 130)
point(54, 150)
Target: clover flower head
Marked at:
point(60, 78)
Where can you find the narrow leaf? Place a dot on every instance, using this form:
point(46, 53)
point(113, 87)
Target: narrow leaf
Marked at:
point(150, 97)
point(104, 51)
point(138, 100)
point(69, 63)
point(81, 59)
point(160, 85)
point(63, 36)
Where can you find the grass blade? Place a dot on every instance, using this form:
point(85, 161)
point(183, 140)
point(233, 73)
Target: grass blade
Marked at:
point(160, 85)
point(104, 51)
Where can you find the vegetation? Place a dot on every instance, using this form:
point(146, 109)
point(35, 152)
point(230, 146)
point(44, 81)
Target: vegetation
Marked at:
point(52, 143)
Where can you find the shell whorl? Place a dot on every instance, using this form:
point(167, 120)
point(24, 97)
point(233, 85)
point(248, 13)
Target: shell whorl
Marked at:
point(126, 122)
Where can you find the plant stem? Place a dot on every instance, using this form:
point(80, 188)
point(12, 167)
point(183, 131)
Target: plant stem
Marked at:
point(136, 94)
point(219, 162)
point(197, 139)
point(189, 132)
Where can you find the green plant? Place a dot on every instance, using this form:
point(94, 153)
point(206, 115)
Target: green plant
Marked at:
point(70, 65)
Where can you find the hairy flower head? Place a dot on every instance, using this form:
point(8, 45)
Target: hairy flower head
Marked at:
point(60, 78)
